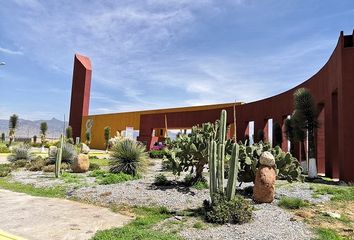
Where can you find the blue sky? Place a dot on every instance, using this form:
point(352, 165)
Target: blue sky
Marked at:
point(159, 53)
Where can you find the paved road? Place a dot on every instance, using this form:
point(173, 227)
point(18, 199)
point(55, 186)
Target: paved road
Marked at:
point(56, 219)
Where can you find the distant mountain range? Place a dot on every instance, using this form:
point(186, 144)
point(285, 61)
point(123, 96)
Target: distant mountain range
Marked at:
point(28, 128)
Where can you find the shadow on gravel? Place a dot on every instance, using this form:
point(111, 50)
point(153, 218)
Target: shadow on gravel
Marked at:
point(325, 181)
point(180, 187)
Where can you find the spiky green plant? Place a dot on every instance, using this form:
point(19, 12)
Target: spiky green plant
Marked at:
point(13, 124)
point(58, 159)
point(128, 156)
point(20, 152)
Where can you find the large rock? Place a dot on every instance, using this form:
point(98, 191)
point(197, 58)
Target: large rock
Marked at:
point(267, 159)
point(81, 163)
point(264, 185)
point(85, 149)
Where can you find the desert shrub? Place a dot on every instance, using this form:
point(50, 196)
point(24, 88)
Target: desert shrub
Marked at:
point(68, 155)
point(161, 180)
point(159, 153)
point(292, 203)
point(4, 148)
point(49, 168)
point(105, 178)
point(20, 152)
point(36, 164)
point(201, 184)
point(191, 181)
point(5, 169)
point(128, 156)
point(222, 211)
point(94, 166)
point(20, 163)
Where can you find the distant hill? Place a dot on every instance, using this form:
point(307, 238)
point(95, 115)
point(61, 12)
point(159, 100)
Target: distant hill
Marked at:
point(28, 128)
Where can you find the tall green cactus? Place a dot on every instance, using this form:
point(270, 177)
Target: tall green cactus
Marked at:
point(232, 181)
point(217, 160)
point(59, 156)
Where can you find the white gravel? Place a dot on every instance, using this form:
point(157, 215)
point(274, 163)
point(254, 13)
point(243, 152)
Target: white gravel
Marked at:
point(270, 222)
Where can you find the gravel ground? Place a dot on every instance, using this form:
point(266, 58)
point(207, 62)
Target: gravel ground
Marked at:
point(300, 190)
point(270, 222)
point(41, 179)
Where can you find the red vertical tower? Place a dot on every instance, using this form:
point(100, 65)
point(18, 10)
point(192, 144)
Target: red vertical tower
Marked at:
point(80, 93)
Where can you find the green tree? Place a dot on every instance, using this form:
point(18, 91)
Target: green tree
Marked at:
point(107, 136)
point(13, 124)
point(88, 137)
point(2, 137)
point(43, 130)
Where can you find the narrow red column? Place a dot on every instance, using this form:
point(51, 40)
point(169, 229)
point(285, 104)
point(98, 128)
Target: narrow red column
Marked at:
point(80, 93)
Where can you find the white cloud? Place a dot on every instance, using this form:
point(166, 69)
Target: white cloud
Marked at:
point(9, 51)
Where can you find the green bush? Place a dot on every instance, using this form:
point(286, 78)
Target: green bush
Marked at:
point(292, 203)
point(128, 156)
point(222, 211)
point(159, 153)
point(20, 152)
point(4, 148)
point(161, 180)
point(201, 184)
point(5, 169)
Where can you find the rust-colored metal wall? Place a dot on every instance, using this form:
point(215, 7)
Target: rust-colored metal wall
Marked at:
point(332, 87)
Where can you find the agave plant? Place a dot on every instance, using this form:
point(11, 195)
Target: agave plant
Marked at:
point(20, 152)
point(68, 154)
point(128, 156)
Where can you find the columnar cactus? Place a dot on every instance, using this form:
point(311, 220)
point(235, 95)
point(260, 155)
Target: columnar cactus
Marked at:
point(216, 162)
point(59, 156)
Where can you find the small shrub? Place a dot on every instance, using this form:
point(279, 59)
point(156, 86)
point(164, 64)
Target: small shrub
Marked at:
point(4, 148)
point(5, 169)
point(49, 168)
point(128, 156)
point(20, 163)
point(201, 184)
point(191, 181)
point(68, 155)
point(161, 180)
point(198, 225)
point(36, 165)
point(94, 166)
point(222, 211)
point(20, 152)
point(159, 153)
point(292, 203)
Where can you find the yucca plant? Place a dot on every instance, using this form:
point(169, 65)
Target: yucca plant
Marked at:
point(128, 156)
point(20, 152)
point(306, 113)
point(43, 130)
point(13, 123)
